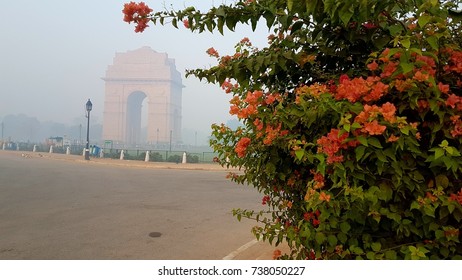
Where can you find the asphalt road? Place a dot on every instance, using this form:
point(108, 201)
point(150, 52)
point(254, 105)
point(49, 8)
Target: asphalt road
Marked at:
point(64, 209)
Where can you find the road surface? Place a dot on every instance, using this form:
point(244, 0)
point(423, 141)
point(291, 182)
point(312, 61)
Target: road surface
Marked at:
point(55, 208)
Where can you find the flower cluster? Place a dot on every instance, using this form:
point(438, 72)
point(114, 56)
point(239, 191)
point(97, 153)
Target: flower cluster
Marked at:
point(369, 89)
point(228, 87)
point(265, 199)
point(455, 62)
point(318, 179)
point(186, 23)
point(212, 52)
point(241, 146)
point(457, 126)
point(368, 118)
point(332, 144)
point(312, 217)
point(137, 13)
point(314, 90)
point(247, 107)
point(457, 197)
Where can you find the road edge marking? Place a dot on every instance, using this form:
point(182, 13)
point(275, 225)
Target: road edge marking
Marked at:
point(241, 249)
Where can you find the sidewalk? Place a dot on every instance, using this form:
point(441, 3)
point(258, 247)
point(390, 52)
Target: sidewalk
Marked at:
point(126, 163)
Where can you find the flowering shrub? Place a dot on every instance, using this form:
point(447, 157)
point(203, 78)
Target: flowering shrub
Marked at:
point(352, 124)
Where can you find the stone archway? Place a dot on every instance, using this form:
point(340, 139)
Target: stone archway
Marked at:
point(134, 76)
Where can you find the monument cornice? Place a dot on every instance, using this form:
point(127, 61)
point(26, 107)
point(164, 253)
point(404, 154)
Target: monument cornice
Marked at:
point(141, 81)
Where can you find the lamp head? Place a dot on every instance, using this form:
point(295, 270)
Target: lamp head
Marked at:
point(89, 105)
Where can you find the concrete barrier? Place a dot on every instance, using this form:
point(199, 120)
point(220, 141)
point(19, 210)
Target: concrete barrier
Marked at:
point(146, 158)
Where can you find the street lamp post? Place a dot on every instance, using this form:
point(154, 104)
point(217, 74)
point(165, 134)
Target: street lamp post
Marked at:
point(88, 107)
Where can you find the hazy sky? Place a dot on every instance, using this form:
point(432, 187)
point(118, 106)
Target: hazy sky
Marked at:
point(53, 54)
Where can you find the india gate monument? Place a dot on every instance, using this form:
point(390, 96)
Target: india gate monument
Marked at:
point(134, 76)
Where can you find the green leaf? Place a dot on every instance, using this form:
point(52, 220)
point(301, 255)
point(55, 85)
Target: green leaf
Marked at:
point(391, 255)
point(296, 26)
point(380, 156)
point(423, 20)
point(359, 151)
point(347, 127)
point(362, 140)
point(407, 67)
point(270, 168)
point(299, 154)
point(358, 250)
point(457, 215)
point(175, 23)
point(376, 246)
point(433, 42)
point(332, 240)
point(386, 192)
point(442, 181)
point(345, 13)
point(406, 42)
point(370, 255)
point(439, 153)
point(395, 30)
point(374, 142)
point(320, 237)
point(342, 237)
point(345, 227)
point(290, 4)
point(311, 6)
point(356, 125)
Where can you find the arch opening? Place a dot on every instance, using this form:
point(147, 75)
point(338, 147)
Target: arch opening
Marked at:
point(136, 114)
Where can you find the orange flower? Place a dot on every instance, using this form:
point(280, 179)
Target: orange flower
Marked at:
point(402, 86)
point(324, 197)
point(443, 88)
point(258, 124)
point(212, 52)
point(319, 179)
point(388, 111)
point(373, 66)
point(453, 100)
point(253, 97)
point(421, 77)
point(431, 197)
point(270, 98)
point(186, 23)
point(373, 128)
point(277, 254)
point(456, 197)
point(392, 138)
point(317, 89)
point(271, 134)
point(352, 90)
point(378, 90)
point(389, 69)
point(332, 144)
point(234, 110)
point(227, 86)
point(241, 146)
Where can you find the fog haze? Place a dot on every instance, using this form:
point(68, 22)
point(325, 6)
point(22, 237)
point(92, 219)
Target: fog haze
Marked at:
point(54, 53)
